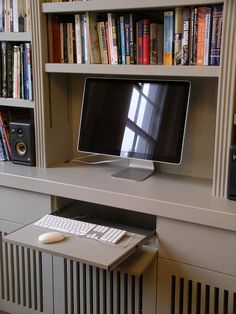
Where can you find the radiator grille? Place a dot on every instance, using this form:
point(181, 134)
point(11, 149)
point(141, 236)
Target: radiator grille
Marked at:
point(21, 275)
point(91, 290)
point(190, 297)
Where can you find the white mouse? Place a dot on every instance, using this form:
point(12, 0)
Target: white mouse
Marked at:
point(51, 237)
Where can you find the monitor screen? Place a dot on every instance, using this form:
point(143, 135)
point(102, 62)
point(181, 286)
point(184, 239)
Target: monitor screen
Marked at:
point(143, 119)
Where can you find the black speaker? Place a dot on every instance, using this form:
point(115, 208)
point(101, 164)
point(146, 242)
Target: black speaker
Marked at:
point(231, 191)
point(22, 142)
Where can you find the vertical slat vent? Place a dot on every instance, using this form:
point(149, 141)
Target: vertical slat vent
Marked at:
point(189, 297)
point(21, 276)
point(91, 290)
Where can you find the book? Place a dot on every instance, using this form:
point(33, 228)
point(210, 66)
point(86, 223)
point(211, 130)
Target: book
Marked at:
point(92, 37)
point(84, 42)
point(4, 68)
point(178, 36)
point(207, 37)
point(127, 39)
point(1, 16)
point(55, 44)
point(193, 37)
point(112, 42)
point(122, 39)
point(2, 152)
point(102, 42)
point(216, 34)
point(4, 144)
point(78, 38)
point(146, 41)
point(70, 42)
point(118, 41)
point(168, 37)
point(153, 43)
point(160, 43)
point(185, 37)
point(29, 71)
point(139, 41)
point(4, 122)
point(132, 38)
point(201, 31)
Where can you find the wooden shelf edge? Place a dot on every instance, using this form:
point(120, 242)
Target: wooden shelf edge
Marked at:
point(107, 5)
point(148, 70)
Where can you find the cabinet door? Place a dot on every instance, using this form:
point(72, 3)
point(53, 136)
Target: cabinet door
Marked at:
point(184, 289)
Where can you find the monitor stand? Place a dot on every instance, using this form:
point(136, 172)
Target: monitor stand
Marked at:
point(138, 170)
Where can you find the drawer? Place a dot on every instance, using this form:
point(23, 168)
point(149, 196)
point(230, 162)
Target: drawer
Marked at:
point(22, 206)
point(197, 245)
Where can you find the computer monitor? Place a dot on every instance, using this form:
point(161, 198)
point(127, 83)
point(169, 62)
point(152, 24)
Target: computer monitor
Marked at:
point(140, 119)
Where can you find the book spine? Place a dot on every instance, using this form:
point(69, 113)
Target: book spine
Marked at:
point(21, 12)
point(215, 45)
point(127, 40)
point(193, 37)
point(118, 41)
point(102, 42)
point(29, 70)
point(84, 35)
point(78, 45)
point(11, 15)
point(4, 131)
point(4, 144)
point(22, 76)
point(112, 38)
point(207, 37)
point(185, 39)
point(178, 36)
point(15, 16)
point(146, 41)
point(160, 43)
point(2, 153)
point(140, 42)
point(4, 69)
point(92, 39)
point(168, 37)
point(201, 21)
point(70, 42)
point(131, 38)
point(9, 52)
point(122, 39)
point(1, 16)
point(153, 43)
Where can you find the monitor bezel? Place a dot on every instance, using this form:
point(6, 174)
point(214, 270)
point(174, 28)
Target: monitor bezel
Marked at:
point(135, 79)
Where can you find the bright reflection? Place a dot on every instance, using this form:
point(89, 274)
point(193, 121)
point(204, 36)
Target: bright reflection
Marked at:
point(127, 143)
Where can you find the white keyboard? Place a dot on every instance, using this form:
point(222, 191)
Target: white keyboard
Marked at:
point(81, 228)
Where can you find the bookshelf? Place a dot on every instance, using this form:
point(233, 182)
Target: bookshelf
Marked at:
point(190, 197)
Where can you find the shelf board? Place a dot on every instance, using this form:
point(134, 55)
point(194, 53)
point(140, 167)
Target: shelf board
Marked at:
point(20, 103)
point(10, 36)
point(108, 5)
point(166, 195)
point(147, 70)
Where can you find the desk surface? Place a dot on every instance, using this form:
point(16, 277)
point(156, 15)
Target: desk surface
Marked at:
point(83, 250)
point(172, 196)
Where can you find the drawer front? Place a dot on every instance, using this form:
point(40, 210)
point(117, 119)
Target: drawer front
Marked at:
point(22, 206)
point(197, 245)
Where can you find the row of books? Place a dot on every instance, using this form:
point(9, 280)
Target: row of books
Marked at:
point(5, 148)
point(16, 70)
point(15, 16)
point(187, 36)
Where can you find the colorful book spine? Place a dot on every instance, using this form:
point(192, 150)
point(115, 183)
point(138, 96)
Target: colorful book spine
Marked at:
point(132, 38)
point(168, 37)
point(140, 42)
point(4, 131)
point(2, 153)
point(185, 39)
point(146, 41)
point(118, 41)
point(127, 40)
point(178, 36)
point(4, 144)
point(92, 38)
point(216, 34)
point(122, 39)
point(29, 71)
point(4, 69)
point(201, 22)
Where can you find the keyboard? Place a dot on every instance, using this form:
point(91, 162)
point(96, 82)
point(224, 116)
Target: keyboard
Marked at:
point(81, 228)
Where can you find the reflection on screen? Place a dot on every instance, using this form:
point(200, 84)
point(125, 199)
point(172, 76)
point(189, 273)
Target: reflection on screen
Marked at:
point(134, 118)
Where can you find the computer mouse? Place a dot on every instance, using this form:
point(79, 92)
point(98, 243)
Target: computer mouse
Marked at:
point(51, 237)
